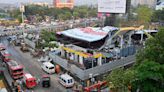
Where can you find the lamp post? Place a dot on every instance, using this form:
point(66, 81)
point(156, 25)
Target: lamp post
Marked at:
point(22, 10)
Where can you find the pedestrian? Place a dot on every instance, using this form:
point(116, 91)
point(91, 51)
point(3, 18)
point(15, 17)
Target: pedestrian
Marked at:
point(38, 81)
point(20, 83)
point(3, 64)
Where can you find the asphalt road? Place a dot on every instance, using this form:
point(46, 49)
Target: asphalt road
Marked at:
point(33, 66)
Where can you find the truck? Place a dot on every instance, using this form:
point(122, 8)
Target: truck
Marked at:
point(5, 56)
point(29, 80)
point(2, 47)
point(24, 47)
point(15, 69)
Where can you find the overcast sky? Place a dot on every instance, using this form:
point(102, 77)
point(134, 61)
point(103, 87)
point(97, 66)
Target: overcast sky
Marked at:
point(77, 2)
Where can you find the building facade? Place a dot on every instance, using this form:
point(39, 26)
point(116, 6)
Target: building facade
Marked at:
point(149, 3)
point(63, 3)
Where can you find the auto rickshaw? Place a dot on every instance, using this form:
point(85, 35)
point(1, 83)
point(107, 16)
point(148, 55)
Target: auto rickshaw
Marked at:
point(46, 81)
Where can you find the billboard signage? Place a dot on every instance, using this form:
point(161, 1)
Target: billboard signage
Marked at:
point(22, 8)
point(112, 6)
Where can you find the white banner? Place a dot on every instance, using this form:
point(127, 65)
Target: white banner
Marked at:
point(112, 6)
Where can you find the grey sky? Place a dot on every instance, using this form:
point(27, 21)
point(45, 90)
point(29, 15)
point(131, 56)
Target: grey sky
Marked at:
point(77, 2)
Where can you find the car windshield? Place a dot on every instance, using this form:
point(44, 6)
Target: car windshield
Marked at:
point(51, 68)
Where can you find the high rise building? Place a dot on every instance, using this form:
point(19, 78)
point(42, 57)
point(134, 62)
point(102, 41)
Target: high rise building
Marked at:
point(64, 3)
point(149, 3)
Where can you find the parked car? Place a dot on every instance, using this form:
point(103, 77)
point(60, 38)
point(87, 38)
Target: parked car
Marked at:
point(66, 80)
point(48, 67)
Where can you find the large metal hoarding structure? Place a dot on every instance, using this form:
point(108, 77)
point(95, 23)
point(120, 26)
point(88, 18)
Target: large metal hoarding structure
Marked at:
point(112, 6)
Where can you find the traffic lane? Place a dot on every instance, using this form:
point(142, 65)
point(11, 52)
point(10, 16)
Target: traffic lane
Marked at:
point(33, 68)
point(54, 77)
point(30, 67)
point(54, 82)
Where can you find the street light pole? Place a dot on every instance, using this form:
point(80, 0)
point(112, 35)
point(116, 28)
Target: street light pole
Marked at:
point(22, 18)
point(22, 10)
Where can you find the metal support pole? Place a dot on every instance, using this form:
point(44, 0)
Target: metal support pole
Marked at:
point(22, 18)
point(141, 37)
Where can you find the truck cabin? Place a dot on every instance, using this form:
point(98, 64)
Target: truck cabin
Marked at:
point(16, 70)
point(45, 81)
point(6, 56)
point(30, 81)
point(97, 87)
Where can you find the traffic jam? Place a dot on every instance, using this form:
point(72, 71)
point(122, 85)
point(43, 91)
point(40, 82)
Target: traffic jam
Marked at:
point(23, 79)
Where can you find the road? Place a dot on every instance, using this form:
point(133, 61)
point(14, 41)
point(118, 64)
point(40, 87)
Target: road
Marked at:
point(51, 27)
point(33, 66)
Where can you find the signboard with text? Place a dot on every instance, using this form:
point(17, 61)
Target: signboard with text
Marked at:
point(112, 6)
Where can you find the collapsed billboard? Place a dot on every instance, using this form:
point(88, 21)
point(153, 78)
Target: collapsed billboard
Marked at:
point(88, 34)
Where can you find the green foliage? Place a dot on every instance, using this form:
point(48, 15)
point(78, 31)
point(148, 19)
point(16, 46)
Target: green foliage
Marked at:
point(148, 73)
point(144, 15)
point(65, 16)
point(76, 14)
point(150, 77)
point(48, 36)
point(150, 65)
point(158, 15)
point(62, 14)
point(15, 14)
point(154, 49)
point(121, 79)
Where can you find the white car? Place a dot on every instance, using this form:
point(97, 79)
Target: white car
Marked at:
point(48, 67)
point(66, 80)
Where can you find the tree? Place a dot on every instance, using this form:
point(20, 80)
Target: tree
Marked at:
point(75, 15)
point(158, 15)
point(149, 77)
point(120, 79)
point(92, 12)
point(61, 17)
point(48, 36)
point(144, 15)
point(150, 65)
point(154, 49)
point(68, 15)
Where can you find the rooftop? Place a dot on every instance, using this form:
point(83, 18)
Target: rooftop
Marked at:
point(28, 76)
point(66, 76)
point(48, 64)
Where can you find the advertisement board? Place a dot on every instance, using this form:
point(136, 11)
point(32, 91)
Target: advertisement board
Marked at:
point(22, 8)
point(112, 6)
